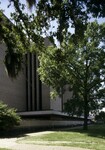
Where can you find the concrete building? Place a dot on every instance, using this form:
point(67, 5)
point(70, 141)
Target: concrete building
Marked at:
point(26, 92)
point(29, 96)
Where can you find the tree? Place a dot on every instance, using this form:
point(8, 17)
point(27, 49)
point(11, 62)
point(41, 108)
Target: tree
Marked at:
point(81, 65)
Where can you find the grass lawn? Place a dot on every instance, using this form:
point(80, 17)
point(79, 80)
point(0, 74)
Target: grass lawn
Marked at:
point(4, 149)
point(94, 138)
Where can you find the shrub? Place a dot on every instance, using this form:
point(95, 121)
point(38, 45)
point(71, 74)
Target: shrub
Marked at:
point(8, 117)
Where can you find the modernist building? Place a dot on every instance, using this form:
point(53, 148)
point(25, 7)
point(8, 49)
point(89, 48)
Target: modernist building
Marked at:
point(29, 96)
point(26, 92)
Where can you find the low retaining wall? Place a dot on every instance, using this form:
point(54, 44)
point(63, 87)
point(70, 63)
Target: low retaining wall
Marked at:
point(48, 123)
point(48, 119)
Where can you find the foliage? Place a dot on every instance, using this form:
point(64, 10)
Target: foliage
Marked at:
point(8, 117)
point(50, 70)
point(13, 57)
point(81, 65)
point(100, 117)
point(19, 37)
point(67, 14)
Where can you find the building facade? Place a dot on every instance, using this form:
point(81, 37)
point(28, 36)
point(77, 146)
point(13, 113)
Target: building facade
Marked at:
point(30, 97)
point(26, 92)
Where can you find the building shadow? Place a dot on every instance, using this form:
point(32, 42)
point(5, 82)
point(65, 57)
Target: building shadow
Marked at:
point(93, 131)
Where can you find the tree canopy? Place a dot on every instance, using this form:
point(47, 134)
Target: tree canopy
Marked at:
point(67, 13)
point(61, 16)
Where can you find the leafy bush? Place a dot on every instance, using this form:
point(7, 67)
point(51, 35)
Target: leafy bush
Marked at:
point(8, 117)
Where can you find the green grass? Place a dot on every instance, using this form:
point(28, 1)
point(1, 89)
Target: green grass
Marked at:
point(94, 138)
point(4, 149)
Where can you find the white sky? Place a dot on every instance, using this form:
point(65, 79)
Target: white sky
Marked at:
point(7, 11)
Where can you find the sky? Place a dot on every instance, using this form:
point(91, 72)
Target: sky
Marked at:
point(5, 3)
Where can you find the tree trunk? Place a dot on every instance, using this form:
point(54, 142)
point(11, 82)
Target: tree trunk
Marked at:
point(86, 111)
point(85, 127)
point(62, 98)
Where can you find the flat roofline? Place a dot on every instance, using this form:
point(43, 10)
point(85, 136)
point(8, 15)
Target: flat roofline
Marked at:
point(43, 112)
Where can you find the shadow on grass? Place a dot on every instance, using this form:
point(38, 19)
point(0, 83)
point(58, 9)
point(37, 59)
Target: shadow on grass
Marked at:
point(97, 130)
point(93, 131)
point(19, 132)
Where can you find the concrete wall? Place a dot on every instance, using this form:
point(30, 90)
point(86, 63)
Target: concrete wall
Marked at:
point(45, 97)
point(56, 104)
point(48, 123)
point(12, 92)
